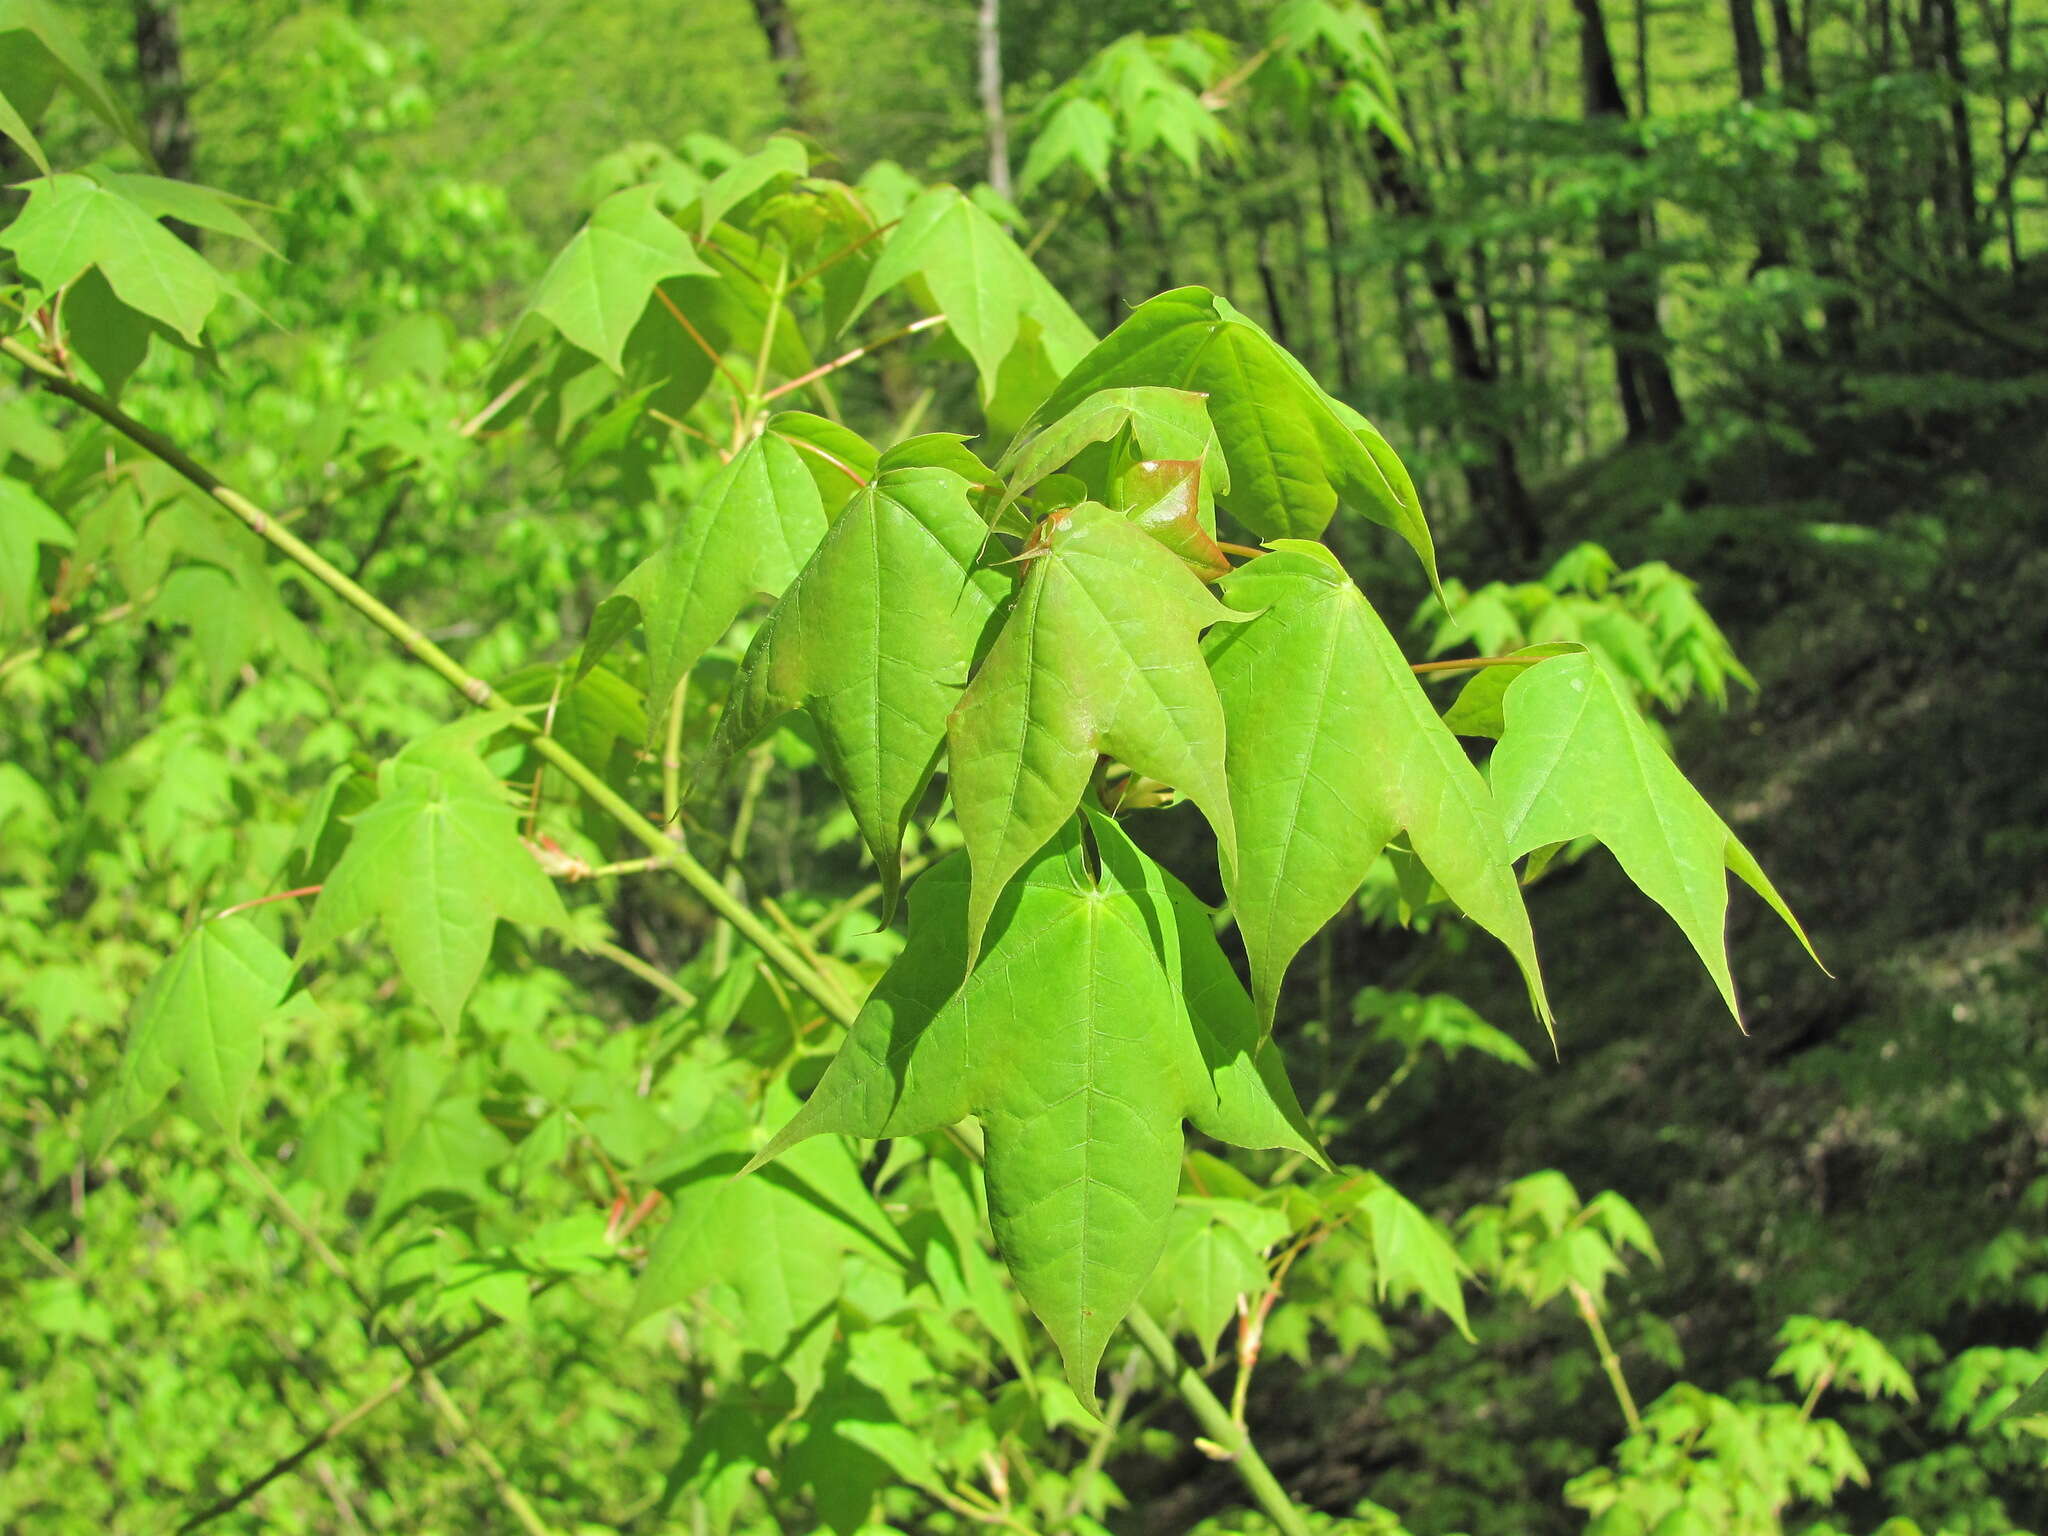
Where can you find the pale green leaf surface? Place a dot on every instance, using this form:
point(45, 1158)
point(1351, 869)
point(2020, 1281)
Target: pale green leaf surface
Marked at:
point(25, 24)
point(1208, 1264)
point(1077, 1042)
point(199, 1024)
point(450, 1149)
point(1100, 654)
point(779, 159)
point(438, 862)
point(15, 127)
point(203, 207)
point(874, 640)
point(750, 532)
point(26, 523)
point(596, 289)
point(1295, 454)
point(1333, 748)
point(1166, 423)
point(1412, 1255)
point(772, 1242)
point(1577, 759)
point(72, 223)
point(978, 278)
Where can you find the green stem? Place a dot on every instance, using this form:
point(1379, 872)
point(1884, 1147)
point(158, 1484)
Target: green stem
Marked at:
point(474, 689)
point(1217, 1425)
point(626, 960)
point(1610, 1362)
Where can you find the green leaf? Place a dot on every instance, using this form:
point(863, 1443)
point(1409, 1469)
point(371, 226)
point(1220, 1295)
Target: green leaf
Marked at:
point(1100, 654)
point(616, 617)
point(984, 285)
point(437, 861)
point(874, 640)
point(1208, 1265)
point(1295, 454)
point(1412, 1255)
point(1333, 748)
point(1081, 133)
point(38, 48)
point(1477, 711)
point(1577, 759)
point(597, 288)
point(72, 223)
point(15, 127)
point(1102, 1016)
point(772, 1244)
point(751, 531)
point(199, 1025)
point(779, 159)
point(450, 1149)
point(26, 523)
point(204, 207)
point(1166, 424)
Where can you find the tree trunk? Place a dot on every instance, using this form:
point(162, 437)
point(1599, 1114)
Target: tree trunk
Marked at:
point(1339, 280)
point(1948, 44)
point(166, 119)
point(786, 51)
point(1497, 488)
point(990, 37)
point(1649, 399)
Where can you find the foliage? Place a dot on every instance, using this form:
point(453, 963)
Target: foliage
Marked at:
point(561, 1062)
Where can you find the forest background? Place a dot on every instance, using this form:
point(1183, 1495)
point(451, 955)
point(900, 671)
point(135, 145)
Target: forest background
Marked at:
point(1673, 308)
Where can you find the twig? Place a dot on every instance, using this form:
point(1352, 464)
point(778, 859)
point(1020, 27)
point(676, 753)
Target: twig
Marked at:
point(854, 356)
point(1610, 1362)
point(1472, 663)
point(264, 901)
point(626, 960)
point(335, 1428)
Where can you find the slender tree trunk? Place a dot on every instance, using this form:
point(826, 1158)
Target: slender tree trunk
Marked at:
point(990, 37)
point(1948, 45)
point(1649, 398)
point(1334, 269)
point(166, 118)
point(1498, 487)
point(1749, 49)
point(786, 52)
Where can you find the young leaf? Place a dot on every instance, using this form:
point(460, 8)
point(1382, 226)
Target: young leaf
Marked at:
point(26, 523)
point(438, 861)
point(1166, 423)
point(72, 223)
point(751, 531)
point(1164, 497)
point(1294, 453)
point(199, 1024)
point(1100, 654)
point(449, 1149)
point(1092, 1028)
point(874, 640)
point(984, 285)
point(596, 289)
point(1332, 749)
point(1576, 759)
point(1411, 1254)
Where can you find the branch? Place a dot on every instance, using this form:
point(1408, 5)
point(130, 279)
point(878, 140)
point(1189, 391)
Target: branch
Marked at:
point(1193, 1390)
point(474, 689)
point(1217, 1424)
